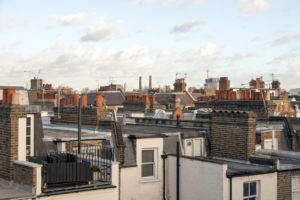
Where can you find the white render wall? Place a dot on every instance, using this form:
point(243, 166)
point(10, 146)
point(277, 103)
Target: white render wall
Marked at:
point(99, 194)
point(267, 185)
point(198, 180)
point(132, 185)
point(22, 139)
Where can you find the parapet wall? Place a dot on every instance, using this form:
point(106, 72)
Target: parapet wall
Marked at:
point(69, 115)
point(258, 107)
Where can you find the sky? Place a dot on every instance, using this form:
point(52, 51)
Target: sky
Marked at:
point(83, 44)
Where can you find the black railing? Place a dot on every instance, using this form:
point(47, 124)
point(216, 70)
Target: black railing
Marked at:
point(69, 168)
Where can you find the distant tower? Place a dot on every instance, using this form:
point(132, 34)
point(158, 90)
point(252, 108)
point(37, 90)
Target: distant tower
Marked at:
point(224, 83)
point(140, 83)
point(150, 82)
point(180, 85)
point(36, 84)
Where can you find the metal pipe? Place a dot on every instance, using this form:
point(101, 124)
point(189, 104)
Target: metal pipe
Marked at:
point(177, 172)
point(79, 125)
point(230, 188)
point(164, 156)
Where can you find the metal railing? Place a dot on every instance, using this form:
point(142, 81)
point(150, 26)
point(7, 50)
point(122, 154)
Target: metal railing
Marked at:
point(71, 169)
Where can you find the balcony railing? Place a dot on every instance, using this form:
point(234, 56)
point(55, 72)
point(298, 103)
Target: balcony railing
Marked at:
point(68, 169)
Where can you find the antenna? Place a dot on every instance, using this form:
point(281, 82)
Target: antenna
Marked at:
point(207, 73)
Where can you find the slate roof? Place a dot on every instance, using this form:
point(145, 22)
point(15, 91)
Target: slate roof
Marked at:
point(112, 98)
point(10, 192)
point(163, 98)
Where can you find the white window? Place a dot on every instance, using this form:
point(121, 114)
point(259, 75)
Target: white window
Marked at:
point(268, 144)
point(295, 187)
point(194, 147)
point(251, 190)
point(149, 160)
point(28, 136)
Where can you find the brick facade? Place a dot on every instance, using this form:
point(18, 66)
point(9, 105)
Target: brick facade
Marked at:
point(233, 134)
point(25, 175)
point(284, 184)
point(9, 118)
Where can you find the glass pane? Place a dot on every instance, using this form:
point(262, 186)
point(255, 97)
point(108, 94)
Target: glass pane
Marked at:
point(246, 189)
point(27, 150)
point(148, 156)
point(253, 188)
point(27, 130)
point(27, 140)
point(147, 170)
point(253, 198)
point(28, 121)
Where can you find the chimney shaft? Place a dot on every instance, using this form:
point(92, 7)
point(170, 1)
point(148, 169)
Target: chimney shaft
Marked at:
point(140, 83)
point(150, 82)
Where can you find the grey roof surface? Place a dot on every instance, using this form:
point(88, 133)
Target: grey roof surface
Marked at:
point(240, 169)
point(112, 98)
point(9, 86)
point(196, 95)
point(163, 98)
point(10, 192)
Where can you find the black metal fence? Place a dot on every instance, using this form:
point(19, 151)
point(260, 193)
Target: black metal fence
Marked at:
point(69, 168)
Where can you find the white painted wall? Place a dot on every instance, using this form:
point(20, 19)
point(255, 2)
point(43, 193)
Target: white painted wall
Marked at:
point(133, 187)
point(100, 194)
point(198, 180)
point(267, 185)
point(22, 139)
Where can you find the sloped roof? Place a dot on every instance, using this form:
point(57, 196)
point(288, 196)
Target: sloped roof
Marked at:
point(112, 98)
point(163, 98)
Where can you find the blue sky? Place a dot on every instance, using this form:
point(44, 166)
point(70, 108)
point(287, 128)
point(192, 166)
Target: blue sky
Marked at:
point(76, 43)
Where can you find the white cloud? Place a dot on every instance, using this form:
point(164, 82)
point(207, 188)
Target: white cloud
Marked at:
point(254, 6)
point(286, 39)
point(72, 20)
point(142, 2)
point(101, 31)
point(168, 2)
point(186, 27)
point(192, 2)
point(284, 57)
point(209, 49)
point(144, 29)
point(242, 55)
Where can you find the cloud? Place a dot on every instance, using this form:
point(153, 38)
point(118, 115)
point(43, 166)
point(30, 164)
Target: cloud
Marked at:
point(242, 55)
point(168, 2)
point(209, 49)
point(143, 30)
point(294, 68)
point(72, 20)
point(283, 58)
point(186, 27)
point(192, 2)
point(142, 2)
point(254, 6)
point(101, 31)
point(286, 39)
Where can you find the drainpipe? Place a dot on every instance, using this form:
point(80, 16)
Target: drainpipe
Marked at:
point(164, 157)
point(177, 172)
point(79, 125)
point(230, 188)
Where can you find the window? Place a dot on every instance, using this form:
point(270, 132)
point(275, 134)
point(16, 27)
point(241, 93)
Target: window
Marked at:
point(295, 187)
point(194, 147)
point(28, 136)
point(148, 163)
point(250, 191)
point(268, 143)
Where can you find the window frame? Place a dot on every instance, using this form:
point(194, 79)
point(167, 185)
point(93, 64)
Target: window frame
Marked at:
point(257, 194)
point(28, 135)
point(154, 176)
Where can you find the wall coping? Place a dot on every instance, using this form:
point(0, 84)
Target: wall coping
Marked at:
point(27, 164)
